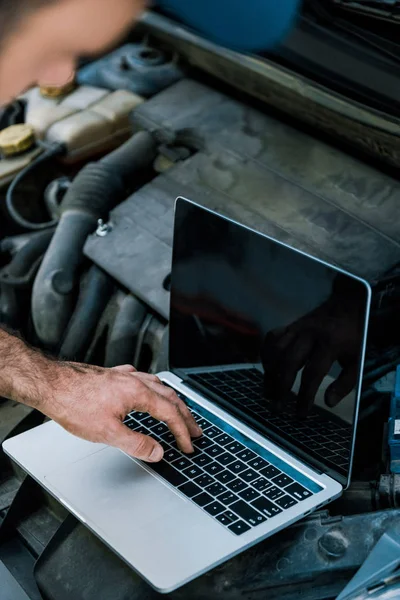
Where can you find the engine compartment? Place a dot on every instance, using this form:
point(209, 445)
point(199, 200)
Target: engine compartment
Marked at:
point(104, 263)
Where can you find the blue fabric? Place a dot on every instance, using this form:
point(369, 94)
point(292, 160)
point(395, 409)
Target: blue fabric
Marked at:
point(240, 24)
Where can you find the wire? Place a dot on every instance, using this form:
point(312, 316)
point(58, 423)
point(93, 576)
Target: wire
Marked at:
point(49, 152)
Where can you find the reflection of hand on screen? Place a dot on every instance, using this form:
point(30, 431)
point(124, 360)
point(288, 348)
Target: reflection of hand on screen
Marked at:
point(330, 333)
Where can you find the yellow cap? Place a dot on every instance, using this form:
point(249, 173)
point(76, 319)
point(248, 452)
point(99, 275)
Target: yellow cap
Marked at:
point(52, 91)
point(16, 139)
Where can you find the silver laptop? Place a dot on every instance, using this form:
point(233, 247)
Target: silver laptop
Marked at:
point(266, 347)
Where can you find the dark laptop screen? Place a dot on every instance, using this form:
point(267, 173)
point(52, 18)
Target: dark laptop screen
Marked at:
point(270, 333)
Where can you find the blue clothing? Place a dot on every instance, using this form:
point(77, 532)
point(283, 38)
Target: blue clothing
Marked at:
point(246, 25)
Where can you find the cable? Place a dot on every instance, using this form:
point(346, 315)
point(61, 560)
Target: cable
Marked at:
point(49, 152)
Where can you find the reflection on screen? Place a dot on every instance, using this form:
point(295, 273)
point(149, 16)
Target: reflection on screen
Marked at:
point(275, 334)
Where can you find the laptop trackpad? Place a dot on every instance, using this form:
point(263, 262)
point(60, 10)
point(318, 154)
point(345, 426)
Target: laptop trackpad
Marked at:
point(113, 492)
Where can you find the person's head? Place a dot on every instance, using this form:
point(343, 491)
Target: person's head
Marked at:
point(41, 40)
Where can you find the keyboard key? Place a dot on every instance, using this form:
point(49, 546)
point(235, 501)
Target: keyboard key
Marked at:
point(282, 480)
point(224, 439)
point(214, 450)
point(149, 422)
point(225, 477)
point(215, 489)
point(171, 455)
point(169, 438)
point(246, 455)
point(270, 471)
point(153, 435)
point(193, 471)
point(298, 491)
point(190, 489)
point(160, 428)
point(249, 494)
point(225, 458)
point(266, 507)
point(258, 463)
point(235, 447)
point(202, 459)
point(286, 501)
point(227, 498)
point(237, 485)
point(204, 480)
point(213, 468)
point(202, 499)
point(262, 484)
point(212, 432)
point(239, 527)
point(132, 424)
point(214, 508)
point(246, 512)
point(203, 423)
point(139, 416)
point(227, 518)
point(273, 493)
point(142, 430)
point(182, 463)
point(165, 445)
point(237, 467)
point(169, 473)
point(249, 475)
point(202, 443)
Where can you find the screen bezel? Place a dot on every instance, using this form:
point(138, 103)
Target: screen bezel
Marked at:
point(231, 409)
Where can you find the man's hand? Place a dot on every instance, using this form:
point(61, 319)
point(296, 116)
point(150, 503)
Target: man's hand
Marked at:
point(331, 333)
point(91, 402)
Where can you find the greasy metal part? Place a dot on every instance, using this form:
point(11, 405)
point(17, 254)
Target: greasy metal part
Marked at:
point(313, 559)
point(362, 127)
point(388, 491)
point(260, 172)
point(96, 189)
point(95, 291)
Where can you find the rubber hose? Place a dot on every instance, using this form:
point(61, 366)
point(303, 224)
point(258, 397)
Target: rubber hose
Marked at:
point(124, 333)
point(94, 192)
point(96, 292)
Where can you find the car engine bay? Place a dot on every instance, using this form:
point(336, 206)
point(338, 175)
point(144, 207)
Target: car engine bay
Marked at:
point(88, 180)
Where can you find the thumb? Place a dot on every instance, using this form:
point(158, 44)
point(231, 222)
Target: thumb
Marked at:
point(125, 368)
point(137, 445)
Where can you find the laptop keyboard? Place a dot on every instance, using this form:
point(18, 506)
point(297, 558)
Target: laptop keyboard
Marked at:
point(228, 475)
point(326, 438)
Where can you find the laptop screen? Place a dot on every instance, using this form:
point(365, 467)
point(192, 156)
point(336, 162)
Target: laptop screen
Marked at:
point(271, 334)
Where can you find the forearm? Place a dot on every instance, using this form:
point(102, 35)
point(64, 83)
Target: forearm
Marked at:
point(26, 375)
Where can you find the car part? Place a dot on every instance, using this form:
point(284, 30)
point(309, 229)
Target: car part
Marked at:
point(87, 121)
point(96, 189)
point(302, 192)
point(49, 153)
point(96, 290)
point(139, 68)
point(16, 280)
point(296, 96)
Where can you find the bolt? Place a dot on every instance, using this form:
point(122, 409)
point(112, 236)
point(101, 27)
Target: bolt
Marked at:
point(102, 228)
point(333, 544)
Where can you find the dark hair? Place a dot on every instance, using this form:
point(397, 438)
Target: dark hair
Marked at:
point(11, 11)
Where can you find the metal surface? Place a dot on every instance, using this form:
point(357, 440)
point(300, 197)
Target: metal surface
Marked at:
point(257, 171)
point(364, 128)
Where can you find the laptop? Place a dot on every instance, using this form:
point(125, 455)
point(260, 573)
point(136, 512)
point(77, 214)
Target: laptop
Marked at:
point(260, 335)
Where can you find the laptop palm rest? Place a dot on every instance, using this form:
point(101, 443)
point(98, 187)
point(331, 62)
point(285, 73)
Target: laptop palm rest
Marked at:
point(140, 518)
point(113, 489)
